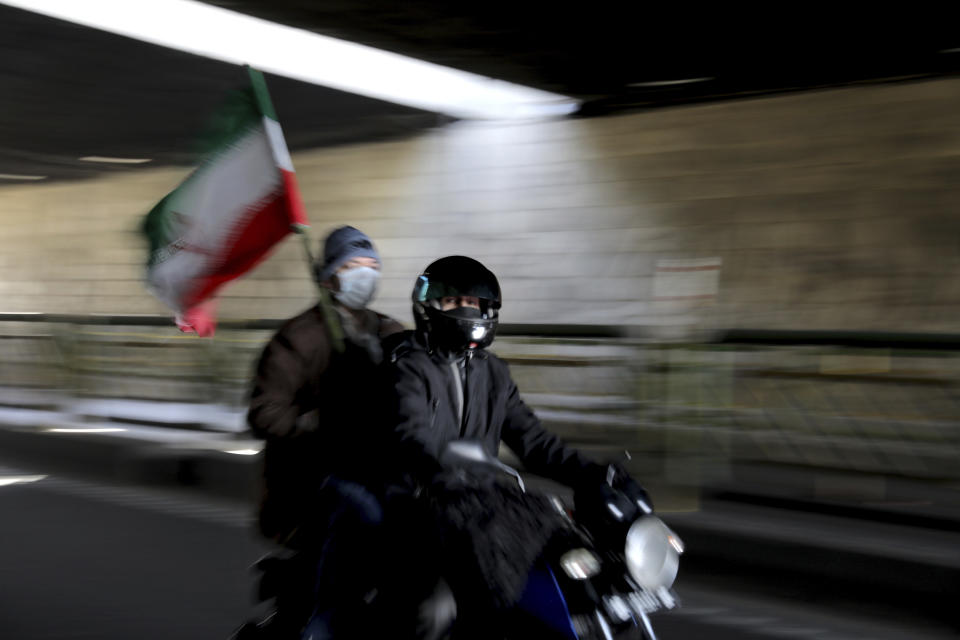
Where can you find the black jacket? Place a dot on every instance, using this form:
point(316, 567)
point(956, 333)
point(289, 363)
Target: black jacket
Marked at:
point(487, 535)
point(312, 406)
point(423, 407)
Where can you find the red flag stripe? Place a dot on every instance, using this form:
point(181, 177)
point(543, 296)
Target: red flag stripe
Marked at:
point(296, 210)
point(263, 228)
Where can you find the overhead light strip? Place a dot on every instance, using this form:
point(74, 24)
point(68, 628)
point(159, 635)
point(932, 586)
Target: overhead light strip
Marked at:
point(109, 160)
point(9, 480)
point(86, 430)
point(670, 83)
point(17, 176)
point(217, 33)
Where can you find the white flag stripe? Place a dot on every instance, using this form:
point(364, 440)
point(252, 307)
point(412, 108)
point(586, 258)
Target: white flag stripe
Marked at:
point(277, 144)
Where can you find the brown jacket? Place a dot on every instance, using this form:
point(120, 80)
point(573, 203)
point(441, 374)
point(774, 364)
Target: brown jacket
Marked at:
point(313, 407)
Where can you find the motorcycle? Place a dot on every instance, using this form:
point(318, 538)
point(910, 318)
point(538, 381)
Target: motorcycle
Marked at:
point(604, 579)
point(616, 568)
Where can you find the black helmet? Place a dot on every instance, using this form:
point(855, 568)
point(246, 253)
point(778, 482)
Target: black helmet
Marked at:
point(463, 328)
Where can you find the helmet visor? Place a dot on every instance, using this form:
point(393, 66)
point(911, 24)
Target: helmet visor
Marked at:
point(430, 289)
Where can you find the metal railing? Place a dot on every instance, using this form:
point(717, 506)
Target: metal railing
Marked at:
point(879, 403)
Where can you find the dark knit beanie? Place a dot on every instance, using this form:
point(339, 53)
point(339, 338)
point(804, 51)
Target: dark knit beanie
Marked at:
point(342, 245)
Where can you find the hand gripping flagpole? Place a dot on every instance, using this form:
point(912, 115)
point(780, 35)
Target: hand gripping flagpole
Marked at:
point(298, 222)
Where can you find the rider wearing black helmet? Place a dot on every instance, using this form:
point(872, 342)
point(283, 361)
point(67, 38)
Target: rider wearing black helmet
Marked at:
point(445, 386)
point(456, 303)
point(448, 387)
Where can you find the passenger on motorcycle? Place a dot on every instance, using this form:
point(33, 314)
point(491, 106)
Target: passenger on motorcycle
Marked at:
point(311, 403)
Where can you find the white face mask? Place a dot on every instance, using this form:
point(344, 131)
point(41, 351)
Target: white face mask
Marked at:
point(357, 287)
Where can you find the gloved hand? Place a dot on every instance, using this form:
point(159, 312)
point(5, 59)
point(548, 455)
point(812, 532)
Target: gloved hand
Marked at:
point(619, 479)
point(609, 497)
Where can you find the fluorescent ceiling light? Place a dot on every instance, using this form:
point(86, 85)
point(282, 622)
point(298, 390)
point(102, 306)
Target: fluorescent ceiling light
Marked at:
point(87, 430)
point(16, 176)
point(670, 83)
point(114, 160)
point(8, 480)
point(243, 452)
point(225, 35)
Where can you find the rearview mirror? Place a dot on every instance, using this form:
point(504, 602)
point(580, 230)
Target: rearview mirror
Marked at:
point(473, 451)
point(467, 450)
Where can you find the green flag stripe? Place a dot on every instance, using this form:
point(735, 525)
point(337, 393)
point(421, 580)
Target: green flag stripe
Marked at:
point(260, 93)
point(156, 228)
point(233, 120)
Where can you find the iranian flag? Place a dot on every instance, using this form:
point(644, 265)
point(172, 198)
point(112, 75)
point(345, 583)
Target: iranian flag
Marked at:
point(227, 215)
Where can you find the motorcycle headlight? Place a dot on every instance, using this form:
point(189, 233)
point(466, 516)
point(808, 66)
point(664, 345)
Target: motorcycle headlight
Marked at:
point(580, 564)
point(653, 553)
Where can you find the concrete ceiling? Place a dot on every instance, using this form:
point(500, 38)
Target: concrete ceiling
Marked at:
point(71, 91)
